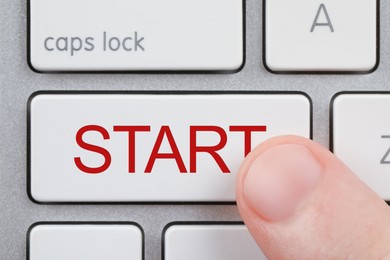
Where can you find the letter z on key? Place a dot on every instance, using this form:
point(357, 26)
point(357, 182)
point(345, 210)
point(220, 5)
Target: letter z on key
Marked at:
point(151, 147)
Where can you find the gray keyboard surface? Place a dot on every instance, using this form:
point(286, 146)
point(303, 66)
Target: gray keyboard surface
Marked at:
point(18, 82)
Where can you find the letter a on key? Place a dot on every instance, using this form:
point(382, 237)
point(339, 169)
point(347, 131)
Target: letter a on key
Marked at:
point(322, 9)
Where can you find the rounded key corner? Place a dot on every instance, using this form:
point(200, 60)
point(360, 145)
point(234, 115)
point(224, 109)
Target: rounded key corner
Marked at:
point(34, 199)
point(306, 96)
point(269, 67)
point(33, 227)
point(373, 67)
point(239, 66)
point(38, 96)
point(33, 96)
point(34, 68)
point(168, 226)
point(335, 98)
point(164, 234)
point(30, 231)
point(139, 229)
point(369, 69)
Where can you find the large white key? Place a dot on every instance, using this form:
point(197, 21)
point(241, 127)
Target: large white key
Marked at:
point(211, 241)
point(83, 241)
point(361, 137)
point(321, 35)
point(136, 35)
point(151, 148)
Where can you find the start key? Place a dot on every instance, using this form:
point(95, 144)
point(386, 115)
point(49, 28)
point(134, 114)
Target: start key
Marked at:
point(159, 147)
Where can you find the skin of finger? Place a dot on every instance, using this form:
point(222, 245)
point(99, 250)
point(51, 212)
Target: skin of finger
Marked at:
point(342, 218)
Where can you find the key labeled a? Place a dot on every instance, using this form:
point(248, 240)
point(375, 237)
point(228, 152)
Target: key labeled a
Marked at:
point(321, 36)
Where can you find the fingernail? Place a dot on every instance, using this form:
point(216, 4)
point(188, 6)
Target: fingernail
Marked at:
point(280, 180)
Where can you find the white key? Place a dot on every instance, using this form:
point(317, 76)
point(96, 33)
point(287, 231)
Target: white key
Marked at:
point(329, 35)
point(209, 242)
point(136, 35)
point(361, 137)
point(48, 241)
point(203, 136)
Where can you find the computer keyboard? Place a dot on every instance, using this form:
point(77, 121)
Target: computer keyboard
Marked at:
point(124, 122)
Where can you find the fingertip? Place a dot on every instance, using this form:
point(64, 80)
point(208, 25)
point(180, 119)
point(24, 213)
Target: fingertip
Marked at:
point(290, 188)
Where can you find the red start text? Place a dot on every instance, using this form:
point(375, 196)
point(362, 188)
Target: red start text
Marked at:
point(164, 133)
